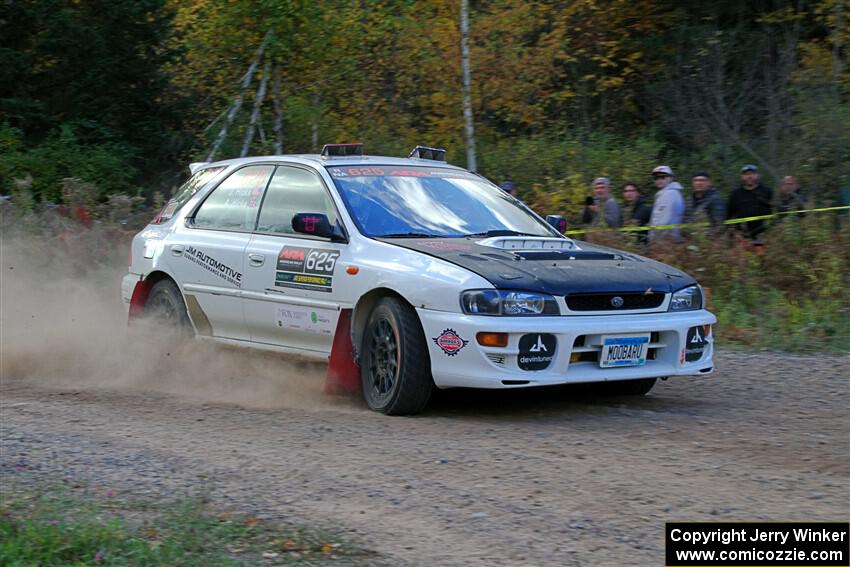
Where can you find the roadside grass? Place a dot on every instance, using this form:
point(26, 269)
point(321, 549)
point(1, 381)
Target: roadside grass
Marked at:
point(62, 525)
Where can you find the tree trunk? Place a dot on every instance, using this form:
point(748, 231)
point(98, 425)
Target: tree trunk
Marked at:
point(255, 113)
point(315, 125)
point(467, 80)
point(237, 104)
point(278, 113)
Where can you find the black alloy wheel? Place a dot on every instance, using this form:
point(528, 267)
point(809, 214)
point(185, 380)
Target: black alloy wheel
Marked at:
point(166, 308)
point(394, 363)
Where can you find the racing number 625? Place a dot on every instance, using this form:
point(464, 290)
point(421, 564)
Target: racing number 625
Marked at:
point(323, 262)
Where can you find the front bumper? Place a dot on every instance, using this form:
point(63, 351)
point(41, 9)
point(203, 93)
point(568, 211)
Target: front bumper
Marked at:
point(457, 360)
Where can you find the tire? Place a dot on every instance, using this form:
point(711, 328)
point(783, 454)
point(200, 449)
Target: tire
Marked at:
point(639, 387)
point(165, 308)
point(395, 370)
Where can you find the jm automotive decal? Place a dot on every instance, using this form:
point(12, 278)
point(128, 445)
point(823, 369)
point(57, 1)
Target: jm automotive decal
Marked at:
point(209, 263)
point(306, 268)
point(450, 342)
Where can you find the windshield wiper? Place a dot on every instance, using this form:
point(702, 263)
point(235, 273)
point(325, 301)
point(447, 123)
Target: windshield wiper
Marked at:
point(503, 232)
point(409, 235)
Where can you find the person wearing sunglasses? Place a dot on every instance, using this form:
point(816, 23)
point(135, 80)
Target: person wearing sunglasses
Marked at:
point(669, 205)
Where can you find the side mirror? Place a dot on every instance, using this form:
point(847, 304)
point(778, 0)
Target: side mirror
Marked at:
point(558, 222)
point(316, 224)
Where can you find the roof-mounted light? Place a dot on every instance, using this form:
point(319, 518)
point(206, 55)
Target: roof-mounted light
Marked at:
point(342, 150)
point(424, 152)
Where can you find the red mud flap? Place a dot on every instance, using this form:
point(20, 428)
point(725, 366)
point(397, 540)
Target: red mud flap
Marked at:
point(343, 375)
point(138, 299)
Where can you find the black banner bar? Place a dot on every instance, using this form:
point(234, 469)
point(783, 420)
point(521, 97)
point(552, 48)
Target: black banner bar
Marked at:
point(757, 544)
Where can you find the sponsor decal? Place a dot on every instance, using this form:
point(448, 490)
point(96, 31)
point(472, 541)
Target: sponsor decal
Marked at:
point(695, 344)
point(536, 351)
point(210, 264)
point(310, 224)
point(315, 320)
point(357, 171)
point(306, 268)
point(450, 342)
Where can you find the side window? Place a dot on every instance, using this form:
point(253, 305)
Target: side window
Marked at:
point(293, 190)
point(233, 205)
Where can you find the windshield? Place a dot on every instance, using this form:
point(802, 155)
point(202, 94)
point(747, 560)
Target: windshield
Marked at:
point(402, 201)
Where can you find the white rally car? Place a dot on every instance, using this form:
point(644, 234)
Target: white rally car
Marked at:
point(409, 274)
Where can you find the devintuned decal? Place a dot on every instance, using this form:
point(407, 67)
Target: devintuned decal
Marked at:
point(450, 342)
point(209, 263)
point(316, 320)
point(695, 344)
point(536, 351)
point(306, 268)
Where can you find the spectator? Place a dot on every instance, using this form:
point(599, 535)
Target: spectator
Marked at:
point(637, 210)
point(669, 205)
point(706, 202)
point(751, 199)
point(509, 188)
point(605, 204)
point(589, 211)
point(791, 197)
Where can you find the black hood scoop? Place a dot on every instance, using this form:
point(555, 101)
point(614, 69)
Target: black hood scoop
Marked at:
point(564, 255)
point(575, 268)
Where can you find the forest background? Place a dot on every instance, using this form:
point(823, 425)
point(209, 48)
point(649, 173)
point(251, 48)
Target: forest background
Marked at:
point(118, 98)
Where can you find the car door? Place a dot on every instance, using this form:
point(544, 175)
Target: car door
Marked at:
point(207, 252)
point(292, 281)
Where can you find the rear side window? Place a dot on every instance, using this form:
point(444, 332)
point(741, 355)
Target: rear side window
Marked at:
point(233, 205)
point(293, 190)
point(186, 192)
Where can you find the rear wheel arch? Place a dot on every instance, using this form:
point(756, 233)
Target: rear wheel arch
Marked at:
point(142, 291)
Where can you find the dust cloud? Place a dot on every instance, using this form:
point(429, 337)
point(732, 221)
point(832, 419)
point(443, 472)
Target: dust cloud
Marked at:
point(62, 325)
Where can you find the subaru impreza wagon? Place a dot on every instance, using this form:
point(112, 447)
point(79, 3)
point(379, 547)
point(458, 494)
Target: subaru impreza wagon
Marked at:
point(415, 273)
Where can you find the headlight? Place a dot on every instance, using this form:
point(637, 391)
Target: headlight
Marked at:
point(687, 299)
point(508, 303)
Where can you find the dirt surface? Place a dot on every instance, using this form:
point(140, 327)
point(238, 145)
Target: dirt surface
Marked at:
point(545, 477)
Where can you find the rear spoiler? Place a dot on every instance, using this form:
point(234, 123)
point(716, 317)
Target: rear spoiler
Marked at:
point(193, 167)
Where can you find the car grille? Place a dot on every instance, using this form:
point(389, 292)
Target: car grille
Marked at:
point(603, 301)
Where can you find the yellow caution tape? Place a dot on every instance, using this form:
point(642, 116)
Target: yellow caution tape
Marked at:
point(703, 224)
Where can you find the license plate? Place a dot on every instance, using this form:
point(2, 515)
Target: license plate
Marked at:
point(626, 350)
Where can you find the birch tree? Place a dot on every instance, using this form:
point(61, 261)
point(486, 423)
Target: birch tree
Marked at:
point(237, 104)
point(467, 80)
point(255, 113)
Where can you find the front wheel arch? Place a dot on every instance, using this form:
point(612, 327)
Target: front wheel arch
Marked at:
point(363, 310)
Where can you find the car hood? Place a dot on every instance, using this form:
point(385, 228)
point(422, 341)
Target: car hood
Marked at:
point(581, 268)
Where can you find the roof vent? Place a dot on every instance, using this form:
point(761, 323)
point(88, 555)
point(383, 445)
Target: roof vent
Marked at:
point(342, 150)
point(424, 152)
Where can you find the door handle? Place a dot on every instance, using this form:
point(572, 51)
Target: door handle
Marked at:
point(256, 260)
point(177, 250)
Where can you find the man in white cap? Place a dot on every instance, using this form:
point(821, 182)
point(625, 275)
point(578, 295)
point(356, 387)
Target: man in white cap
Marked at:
point(669, 204)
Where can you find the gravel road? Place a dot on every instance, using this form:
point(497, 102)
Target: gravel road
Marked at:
point(553, 477)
